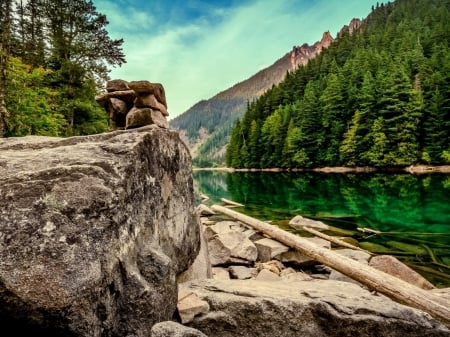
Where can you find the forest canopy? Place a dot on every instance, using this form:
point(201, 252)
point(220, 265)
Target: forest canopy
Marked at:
point(378, 97)
point(54, 57)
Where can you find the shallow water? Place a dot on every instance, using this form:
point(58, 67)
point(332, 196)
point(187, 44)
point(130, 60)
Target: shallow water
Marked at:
point(411, 212)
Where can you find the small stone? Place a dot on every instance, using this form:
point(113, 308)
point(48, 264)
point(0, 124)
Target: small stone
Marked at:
point(354, 254)
point(189, 305)
point(287, 271)
point(269, 248)
point(231, 247)
point(159, 119)
point(298, 276)
point(274, 266)
point(390, 265)
point(267, 275)
point(222, 227)
point(145, 88)
point(220, 273)
point(298, 222)
point(116, 85)
point(242, 273)
point(138, 117)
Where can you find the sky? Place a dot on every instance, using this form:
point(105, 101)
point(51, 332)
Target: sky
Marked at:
point(198, 48)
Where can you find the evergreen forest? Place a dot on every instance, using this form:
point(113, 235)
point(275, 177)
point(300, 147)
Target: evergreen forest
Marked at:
point(54, 56)
point(379, 97)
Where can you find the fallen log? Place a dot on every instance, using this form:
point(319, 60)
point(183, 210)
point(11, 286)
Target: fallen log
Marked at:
point(374, 279)
point(335, 240)
point(230, 202)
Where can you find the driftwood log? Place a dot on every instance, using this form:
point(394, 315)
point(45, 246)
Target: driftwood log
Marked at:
point(374, 279)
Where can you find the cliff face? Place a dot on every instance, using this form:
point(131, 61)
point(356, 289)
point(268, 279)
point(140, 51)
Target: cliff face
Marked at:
point(301, 55)
point(94, 231)
point(354, 25)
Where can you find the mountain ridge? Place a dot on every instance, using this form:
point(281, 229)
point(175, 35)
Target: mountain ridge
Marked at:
point(216, 115)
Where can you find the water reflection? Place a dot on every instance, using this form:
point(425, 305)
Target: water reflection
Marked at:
point(412, 212)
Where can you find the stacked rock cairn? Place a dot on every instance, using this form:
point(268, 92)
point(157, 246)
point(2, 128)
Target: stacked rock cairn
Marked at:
point(134, 104)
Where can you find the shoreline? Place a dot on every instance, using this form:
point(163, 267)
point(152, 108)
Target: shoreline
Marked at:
point(412, 169)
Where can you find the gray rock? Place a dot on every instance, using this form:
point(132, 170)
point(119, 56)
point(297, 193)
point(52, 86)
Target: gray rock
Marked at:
point(231, 247)
point(295, 257)
point(315, 308)
point(139, 117)
point(94, 230)
point(143, 88)
point(189, 305)
point(298, 222)
point(356, 255)
point(267, 275)
point(242, 272)
point(299, 276)
point(220, 273)
point(117, 85)
point(391, 265)
point(221, 227)
point(174, 329)
point(269, 248)
point(201, 268)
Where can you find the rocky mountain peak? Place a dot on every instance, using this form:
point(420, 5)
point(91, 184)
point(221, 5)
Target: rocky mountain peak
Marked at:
point(351, 27)
point(301, 55)
point(325, 42)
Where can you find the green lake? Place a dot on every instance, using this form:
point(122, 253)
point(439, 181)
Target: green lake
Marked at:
point(412, 212)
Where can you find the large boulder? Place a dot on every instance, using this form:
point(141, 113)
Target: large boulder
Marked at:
point(94, 231)
point(319, 308)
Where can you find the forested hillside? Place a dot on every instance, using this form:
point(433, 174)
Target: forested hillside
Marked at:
point(378, 97)
point(217, 115)
point(53, 59)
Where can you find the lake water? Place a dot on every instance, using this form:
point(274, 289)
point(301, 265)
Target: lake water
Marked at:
point(412, 212)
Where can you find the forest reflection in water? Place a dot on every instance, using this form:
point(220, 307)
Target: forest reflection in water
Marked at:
point(412, 212)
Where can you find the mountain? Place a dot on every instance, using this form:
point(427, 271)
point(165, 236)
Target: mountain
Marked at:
point(205, 127)
point(378, 97)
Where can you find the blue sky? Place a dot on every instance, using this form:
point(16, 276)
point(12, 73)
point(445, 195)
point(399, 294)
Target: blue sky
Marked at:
point(197, 48)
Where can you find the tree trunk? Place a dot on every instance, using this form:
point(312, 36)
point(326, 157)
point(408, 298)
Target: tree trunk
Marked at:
point(374, 279)
point(4, 54)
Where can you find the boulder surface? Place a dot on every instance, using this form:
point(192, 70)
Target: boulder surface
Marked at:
point(94, 231)
point(319, 308)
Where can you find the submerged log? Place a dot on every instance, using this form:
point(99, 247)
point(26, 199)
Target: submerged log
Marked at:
point(334, 240)
point(384, 283)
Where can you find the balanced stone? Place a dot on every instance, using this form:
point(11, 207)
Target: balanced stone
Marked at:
point(146, 87)
point(117, 85)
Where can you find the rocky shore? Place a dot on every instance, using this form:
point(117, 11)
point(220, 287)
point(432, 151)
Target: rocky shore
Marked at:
point(413, 169)
point(258, 286)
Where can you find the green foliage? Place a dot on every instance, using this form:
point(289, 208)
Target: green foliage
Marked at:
point(61, 52)
point(446, 156)
point(31, 104)
point(378, 96)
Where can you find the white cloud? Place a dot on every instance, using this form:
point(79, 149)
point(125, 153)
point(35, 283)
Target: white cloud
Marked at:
point(124, 18)
point(200, 58)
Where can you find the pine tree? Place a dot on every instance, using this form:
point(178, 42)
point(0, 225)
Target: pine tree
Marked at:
point(349, 148)
point(81, 48)
point(334, 117)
